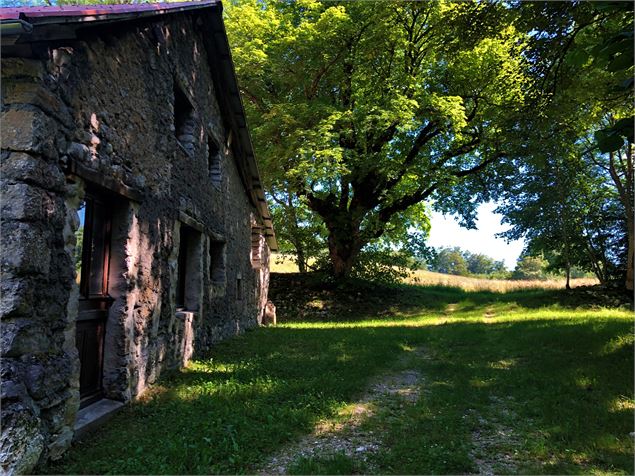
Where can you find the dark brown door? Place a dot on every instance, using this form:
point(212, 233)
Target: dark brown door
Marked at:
point(92, 263)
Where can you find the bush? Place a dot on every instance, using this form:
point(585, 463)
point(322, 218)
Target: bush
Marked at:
point(381, 266)
point(530, 267)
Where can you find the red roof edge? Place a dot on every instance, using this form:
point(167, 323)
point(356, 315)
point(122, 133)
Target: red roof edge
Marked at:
point(100, 10)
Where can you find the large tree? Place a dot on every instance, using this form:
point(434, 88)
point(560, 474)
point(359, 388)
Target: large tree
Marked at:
point(364, 109)
point(569, 191)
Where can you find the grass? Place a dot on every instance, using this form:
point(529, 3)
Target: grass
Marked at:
point(284, 264)
point(337, 463)
point(552, 373)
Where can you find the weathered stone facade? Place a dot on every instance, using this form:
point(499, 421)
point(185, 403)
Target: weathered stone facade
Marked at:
point(134, 114)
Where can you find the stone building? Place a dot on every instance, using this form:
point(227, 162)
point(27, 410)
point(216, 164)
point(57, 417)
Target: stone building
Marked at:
point(135, 233)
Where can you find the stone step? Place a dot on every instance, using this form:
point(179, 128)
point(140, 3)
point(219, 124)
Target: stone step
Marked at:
point(94, 415)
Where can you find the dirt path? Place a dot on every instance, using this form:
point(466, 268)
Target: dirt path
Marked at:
point(345, 434)
point(495, 444)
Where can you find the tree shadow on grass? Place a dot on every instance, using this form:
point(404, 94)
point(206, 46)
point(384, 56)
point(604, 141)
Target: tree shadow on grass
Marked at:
point(300, 297)
point(230, 411)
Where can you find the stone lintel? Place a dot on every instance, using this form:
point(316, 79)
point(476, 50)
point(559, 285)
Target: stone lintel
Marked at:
point(191, 222)
point(76, 168)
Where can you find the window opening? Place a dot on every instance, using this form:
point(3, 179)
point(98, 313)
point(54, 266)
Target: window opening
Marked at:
point(256, 246)
point(214, 162)
point(182, 267)
point(190, 272)
point(184, 119)
point(95, 247)
point(217, 261)
point(239, 289)
point(79, 241)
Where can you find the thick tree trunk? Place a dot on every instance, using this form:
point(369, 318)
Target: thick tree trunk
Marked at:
point(342, 250)
point(343, 224)
point(631, 253)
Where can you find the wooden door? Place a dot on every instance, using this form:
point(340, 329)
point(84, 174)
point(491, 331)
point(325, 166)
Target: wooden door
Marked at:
point(94, 302)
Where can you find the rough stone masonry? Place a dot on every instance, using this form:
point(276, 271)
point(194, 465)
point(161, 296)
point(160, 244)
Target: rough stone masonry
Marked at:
point(134, 232)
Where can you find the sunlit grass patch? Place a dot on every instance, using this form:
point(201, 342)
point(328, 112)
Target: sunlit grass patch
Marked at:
point(622, 404)
point(555, 378)
point(619, 342)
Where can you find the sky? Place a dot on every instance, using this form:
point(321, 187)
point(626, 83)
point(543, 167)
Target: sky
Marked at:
point(446, 232)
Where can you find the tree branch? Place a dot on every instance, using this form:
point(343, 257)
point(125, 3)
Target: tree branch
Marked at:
point(477, 168)
point(385, 213)
point(255, 100)
point(311, 93)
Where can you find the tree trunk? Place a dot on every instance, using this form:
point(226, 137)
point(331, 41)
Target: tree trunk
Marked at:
point(598, 270)
point(343, 227)
point(623, 174)
point(568, 285)
point(297, 241)
point(630, 216)
point(631, 250)
point(343, 250)
point(300, 258)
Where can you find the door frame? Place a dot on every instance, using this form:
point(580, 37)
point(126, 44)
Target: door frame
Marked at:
point(94, 304)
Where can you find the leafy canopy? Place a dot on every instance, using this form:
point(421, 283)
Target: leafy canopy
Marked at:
point(365, 109)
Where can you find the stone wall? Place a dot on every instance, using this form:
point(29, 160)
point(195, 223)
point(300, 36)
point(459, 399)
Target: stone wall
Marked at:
point(99, 112)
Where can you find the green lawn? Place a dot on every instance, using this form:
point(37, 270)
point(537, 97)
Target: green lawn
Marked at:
point(555, 381)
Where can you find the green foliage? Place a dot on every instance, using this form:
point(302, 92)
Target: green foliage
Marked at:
point(530, 267)
point(368, 108)
point(480, 264)
point(79, 246)
point(450, 261)
point(614, 53)
point(380, 264)
point(298, 233)
point(464, 263)
point(568, 191)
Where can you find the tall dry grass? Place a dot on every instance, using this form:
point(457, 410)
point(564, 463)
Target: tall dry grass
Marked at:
point(280, 263)
point(284, 264)
point(428, 278)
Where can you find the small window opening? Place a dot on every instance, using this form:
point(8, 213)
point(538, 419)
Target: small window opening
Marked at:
point(256, 246)
point(214, 162)
point(79, 242)
point(184, 119)
point(239, 289)
point(217, 262)
point(188, 284)
point(182, 268)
